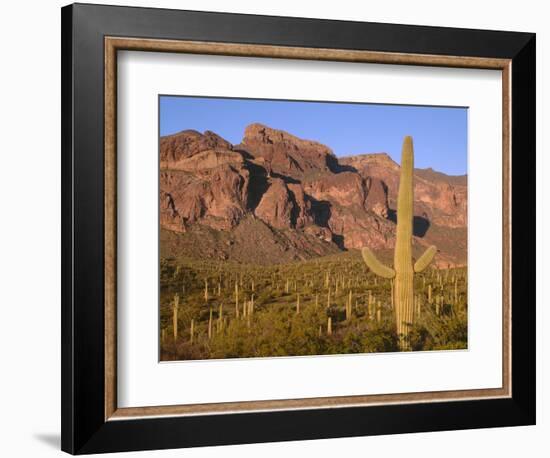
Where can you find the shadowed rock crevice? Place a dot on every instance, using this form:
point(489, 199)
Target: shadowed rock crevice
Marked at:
point(257, 185)
point(335, 167)
point(421, 224)
point(287, 180)
point(338, 239)
point(321, 212)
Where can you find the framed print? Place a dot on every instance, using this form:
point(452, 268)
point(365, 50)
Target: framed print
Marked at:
point(281, 228)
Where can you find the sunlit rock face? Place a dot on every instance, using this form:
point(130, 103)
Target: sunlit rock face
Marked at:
point(303, 198)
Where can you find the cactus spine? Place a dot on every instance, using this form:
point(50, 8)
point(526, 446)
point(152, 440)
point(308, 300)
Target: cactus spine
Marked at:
point(403, 271)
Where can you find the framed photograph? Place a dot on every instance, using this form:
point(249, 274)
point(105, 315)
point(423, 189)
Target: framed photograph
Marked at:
point(282, 228)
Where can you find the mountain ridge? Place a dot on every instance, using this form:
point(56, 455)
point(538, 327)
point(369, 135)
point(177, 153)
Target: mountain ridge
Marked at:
point(306, 201)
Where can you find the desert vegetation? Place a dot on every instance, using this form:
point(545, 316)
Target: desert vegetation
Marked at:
point(328, 305)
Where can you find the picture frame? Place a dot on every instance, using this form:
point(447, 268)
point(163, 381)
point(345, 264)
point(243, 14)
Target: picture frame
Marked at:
point(92, 35)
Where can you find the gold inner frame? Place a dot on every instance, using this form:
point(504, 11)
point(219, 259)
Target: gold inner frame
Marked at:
point(114, 44)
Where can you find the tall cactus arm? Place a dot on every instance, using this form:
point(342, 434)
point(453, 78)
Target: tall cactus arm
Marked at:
point(424, 260)
point(375, 265)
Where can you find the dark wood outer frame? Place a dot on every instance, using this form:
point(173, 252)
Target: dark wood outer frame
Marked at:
point(89, 424)
point(115, 44)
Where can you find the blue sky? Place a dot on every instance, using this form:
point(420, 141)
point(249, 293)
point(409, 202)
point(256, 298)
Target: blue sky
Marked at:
point(439, 133)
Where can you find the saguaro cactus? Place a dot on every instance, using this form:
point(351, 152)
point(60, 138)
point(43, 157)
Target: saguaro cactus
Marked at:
point(175, 311)
point(403, 270)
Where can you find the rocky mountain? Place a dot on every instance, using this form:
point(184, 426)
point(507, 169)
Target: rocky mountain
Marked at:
point(276, 198)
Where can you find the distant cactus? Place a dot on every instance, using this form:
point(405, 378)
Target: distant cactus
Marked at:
point(236, 300)
point(176, 272)
point(404, 269)
point(371, 306)
point(417, 304)
point(175, 311)
point(220, 318)
point(349, 305)
point(456, 291)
